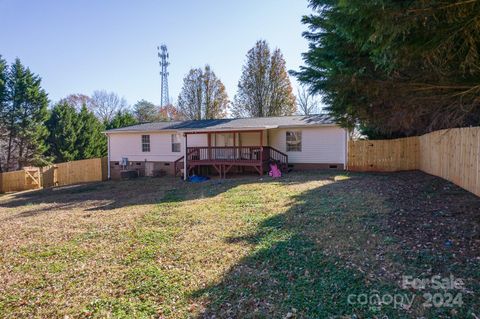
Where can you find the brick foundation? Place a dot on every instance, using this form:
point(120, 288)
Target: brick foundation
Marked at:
point(159, 168)
point(167, 168)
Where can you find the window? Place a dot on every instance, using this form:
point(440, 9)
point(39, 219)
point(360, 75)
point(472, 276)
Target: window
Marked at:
point(294, 141)
point(145, 143)
point(175, 143)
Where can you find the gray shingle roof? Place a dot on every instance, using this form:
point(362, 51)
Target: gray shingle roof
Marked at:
point(232, 124)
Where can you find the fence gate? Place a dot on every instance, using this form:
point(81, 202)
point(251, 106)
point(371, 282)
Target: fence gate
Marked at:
point(32, 177)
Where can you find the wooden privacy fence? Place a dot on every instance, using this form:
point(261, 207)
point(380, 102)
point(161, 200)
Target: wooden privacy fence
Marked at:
point(453, 154)
point(69, 173)
point(28, 178)
point(384, 155)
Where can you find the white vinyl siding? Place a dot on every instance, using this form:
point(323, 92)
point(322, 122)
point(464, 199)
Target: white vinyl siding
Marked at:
point(127, 145)
point(319, 145)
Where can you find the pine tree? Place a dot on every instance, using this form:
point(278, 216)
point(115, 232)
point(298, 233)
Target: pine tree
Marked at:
point(264, 88)
point(121, 119)
point(63, 132)
point(91, 141)
point(396, 67)
point(3, 114)
point(25, 112)
point(203, 95)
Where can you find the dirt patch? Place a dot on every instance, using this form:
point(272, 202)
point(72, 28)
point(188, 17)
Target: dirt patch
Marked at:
point(431, 216)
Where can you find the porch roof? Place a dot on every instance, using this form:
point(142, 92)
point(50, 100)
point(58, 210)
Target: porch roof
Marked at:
point(239, 124)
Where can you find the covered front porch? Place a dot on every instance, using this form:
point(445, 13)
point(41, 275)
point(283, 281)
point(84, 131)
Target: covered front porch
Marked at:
point(227, 150)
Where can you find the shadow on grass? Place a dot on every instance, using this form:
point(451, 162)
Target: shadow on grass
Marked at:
point(355, 236)
point(294, 270)
point(330, 250)
point(110, 195)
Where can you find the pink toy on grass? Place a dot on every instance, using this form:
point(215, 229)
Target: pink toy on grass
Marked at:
point(274, 171)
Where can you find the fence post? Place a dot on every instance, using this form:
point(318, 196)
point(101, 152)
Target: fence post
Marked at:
point(55, 175)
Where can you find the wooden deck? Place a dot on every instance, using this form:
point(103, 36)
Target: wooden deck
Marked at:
point(223, 159)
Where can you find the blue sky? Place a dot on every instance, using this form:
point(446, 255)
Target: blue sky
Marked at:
point(82, 46)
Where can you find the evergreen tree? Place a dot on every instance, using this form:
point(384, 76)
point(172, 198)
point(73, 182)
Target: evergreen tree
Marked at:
point(396, 67)
point(24, 114)
point(121, 119)
point(63, 132)
point(3, 115)
point(203, 95)
point(91, 141)
point(264, 88)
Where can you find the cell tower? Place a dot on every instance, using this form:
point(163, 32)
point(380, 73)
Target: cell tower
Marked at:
point(163, 55)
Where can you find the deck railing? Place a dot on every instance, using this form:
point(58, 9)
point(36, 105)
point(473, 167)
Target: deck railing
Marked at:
point(277, 156)
point(251, 154)
point(255, 156)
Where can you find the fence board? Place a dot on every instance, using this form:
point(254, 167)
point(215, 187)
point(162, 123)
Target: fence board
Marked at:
point(453, 154)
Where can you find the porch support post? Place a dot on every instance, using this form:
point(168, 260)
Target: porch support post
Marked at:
point(209, 145)
point(185, 173)
point(234, 145)
point(261, 152)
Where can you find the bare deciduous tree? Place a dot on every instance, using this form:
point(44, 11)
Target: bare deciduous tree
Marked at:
point(307, 103)
point(106, 104)
point(77, 101)
point(170, 112)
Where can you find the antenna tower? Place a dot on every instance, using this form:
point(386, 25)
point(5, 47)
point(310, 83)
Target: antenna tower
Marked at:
point(163, 56)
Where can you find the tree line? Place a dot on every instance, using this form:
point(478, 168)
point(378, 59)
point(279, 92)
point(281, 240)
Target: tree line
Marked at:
point(34, 133)
point(396, 68)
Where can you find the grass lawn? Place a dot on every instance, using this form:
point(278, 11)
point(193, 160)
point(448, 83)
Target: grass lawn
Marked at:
point(247, 247)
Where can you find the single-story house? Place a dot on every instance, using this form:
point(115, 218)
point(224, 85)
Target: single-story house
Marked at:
point(227, 145)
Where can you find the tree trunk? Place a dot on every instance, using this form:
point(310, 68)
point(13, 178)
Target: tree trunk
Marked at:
point(9, 147)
